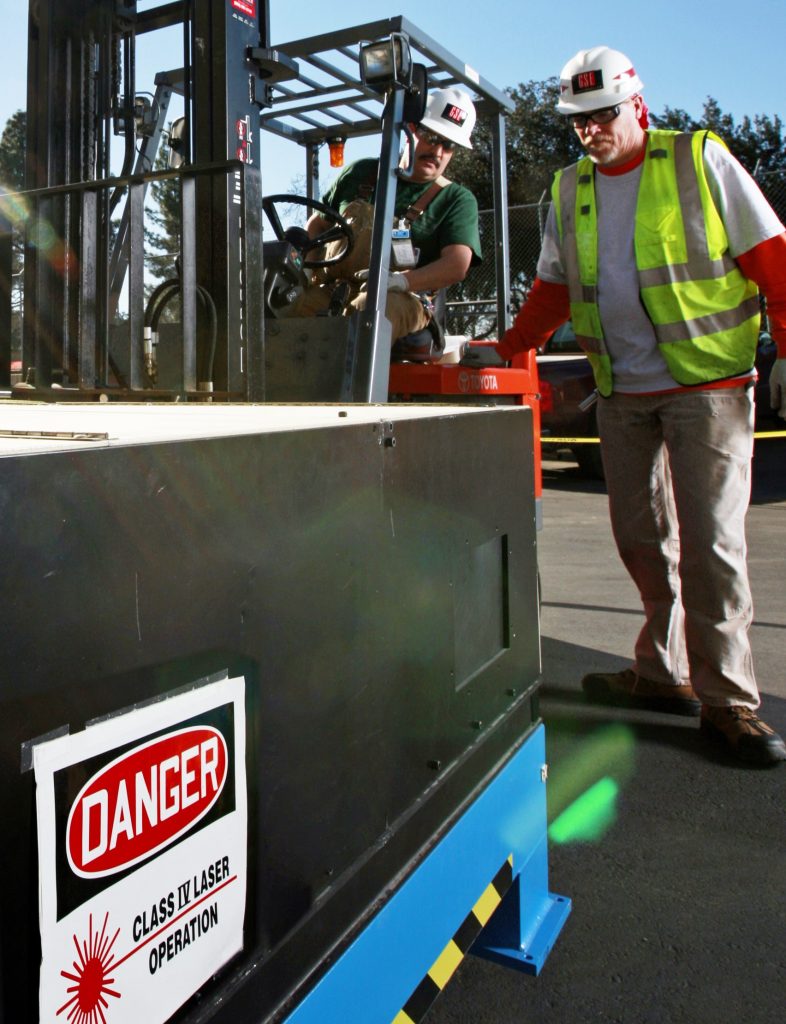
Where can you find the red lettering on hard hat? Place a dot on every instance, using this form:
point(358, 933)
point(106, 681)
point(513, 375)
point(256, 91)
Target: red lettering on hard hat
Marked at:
point(144, 800)
point(587, 81)
point(454, 114)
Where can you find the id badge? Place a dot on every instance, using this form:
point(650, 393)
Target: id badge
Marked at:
point(403, 255)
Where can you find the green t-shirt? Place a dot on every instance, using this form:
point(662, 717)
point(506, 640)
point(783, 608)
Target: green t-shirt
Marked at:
point(451, 218)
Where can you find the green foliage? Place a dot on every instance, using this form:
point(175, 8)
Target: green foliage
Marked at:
point(12, 153)
point(539, 142)
point(758, 142)
point(12, 179)
point(163, 236)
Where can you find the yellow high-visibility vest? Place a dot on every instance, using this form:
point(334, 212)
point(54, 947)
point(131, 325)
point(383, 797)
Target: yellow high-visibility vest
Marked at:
point(704, 311)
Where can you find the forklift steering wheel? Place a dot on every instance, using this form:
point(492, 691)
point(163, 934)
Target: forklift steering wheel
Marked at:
point(339, 228)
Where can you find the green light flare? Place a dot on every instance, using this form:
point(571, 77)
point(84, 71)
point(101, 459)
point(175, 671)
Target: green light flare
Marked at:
point(590, 815)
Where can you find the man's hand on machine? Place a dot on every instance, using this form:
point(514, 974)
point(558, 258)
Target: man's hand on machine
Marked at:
point(397, 282)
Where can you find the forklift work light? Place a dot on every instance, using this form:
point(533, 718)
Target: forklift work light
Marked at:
point(386, 63)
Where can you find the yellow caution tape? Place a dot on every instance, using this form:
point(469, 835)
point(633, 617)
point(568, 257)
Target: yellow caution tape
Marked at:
point(596, 440)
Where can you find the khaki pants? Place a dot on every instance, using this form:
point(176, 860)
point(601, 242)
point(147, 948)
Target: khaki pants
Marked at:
point(404, 309)
point(677, 471)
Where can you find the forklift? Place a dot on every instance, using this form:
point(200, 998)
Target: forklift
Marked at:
point(271, 746)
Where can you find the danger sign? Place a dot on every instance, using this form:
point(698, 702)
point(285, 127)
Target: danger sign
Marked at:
point(142, 834)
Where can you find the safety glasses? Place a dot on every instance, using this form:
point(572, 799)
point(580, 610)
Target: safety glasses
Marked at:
point(434, 140)
point(603, 116)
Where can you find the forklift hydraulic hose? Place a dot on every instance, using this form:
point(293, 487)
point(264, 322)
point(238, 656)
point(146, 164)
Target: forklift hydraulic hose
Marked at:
point(129, 129)
point(163, 295)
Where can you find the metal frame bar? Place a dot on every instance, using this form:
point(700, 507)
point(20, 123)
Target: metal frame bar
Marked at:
point(289, 103)
point(6, 291)
point(145, 161)
point(501, 224)
point(88, 298)
point(188, 260)
point(373, 339)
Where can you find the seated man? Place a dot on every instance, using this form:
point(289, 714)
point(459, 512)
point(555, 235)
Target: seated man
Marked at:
point(441, 216)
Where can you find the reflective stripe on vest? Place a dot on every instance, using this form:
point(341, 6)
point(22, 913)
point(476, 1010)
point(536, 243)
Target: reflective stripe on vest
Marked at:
point(704, 311)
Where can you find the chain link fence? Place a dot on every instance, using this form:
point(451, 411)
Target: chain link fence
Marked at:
point(471, 307)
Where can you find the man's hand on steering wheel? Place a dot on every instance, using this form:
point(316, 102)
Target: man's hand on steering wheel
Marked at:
point(339, 228)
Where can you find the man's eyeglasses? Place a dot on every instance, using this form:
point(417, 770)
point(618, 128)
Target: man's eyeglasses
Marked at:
point(604, 116)
point(435, 140)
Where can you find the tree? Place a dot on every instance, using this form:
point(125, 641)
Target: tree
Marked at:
point(758, 142)
point(12, 179)
point(164, 214)
point(12, 153)
point(538, 145)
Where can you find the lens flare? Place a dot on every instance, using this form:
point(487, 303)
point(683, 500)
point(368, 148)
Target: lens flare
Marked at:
point(589, 817)
point(14, 208)
point(583, 788)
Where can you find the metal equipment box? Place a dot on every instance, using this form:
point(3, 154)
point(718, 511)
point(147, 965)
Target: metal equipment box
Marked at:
point(368, 573)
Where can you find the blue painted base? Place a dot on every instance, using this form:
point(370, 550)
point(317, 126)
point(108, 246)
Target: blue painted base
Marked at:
point(378, 972)
point(526, 951)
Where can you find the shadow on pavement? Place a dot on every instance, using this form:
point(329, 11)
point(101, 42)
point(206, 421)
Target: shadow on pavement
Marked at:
point(677, 876)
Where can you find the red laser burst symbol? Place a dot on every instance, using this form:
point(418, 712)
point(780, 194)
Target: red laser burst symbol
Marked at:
point(87, 1004)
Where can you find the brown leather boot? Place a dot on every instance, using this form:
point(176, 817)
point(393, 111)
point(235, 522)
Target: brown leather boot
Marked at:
point(626, 689)
point(743, 733)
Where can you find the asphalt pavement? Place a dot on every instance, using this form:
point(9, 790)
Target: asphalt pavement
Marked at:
point(677, 870)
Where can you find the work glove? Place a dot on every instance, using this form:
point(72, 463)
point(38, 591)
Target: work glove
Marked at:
point(778, 386)
point(397, 282)
point(481, 356)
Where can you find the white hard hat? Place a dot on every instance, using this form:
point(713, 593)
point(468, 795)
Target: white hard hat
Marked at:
point(596, 78)
point(450, 113)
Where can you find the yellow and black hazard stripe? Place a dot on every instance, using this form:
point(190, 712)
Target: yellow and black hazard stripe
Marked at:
point(444, 967)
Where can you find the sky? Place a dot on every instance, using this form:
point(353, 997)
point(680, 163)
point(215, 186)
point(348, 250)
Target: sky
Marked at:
point(683, 50)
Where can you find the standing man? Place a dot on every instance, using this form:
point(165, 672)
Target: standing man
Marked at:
point(441, 217)
point(656, 246)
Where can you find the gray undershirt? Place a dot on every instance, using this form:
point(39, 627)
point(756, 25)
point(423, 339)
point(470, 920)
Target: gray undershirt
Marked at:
point(630, 336)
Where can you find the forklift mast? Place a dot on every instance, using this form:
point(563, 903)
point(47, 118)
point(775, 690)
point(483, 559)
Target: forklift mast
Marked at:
point(92, 141)
point(82, 96)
